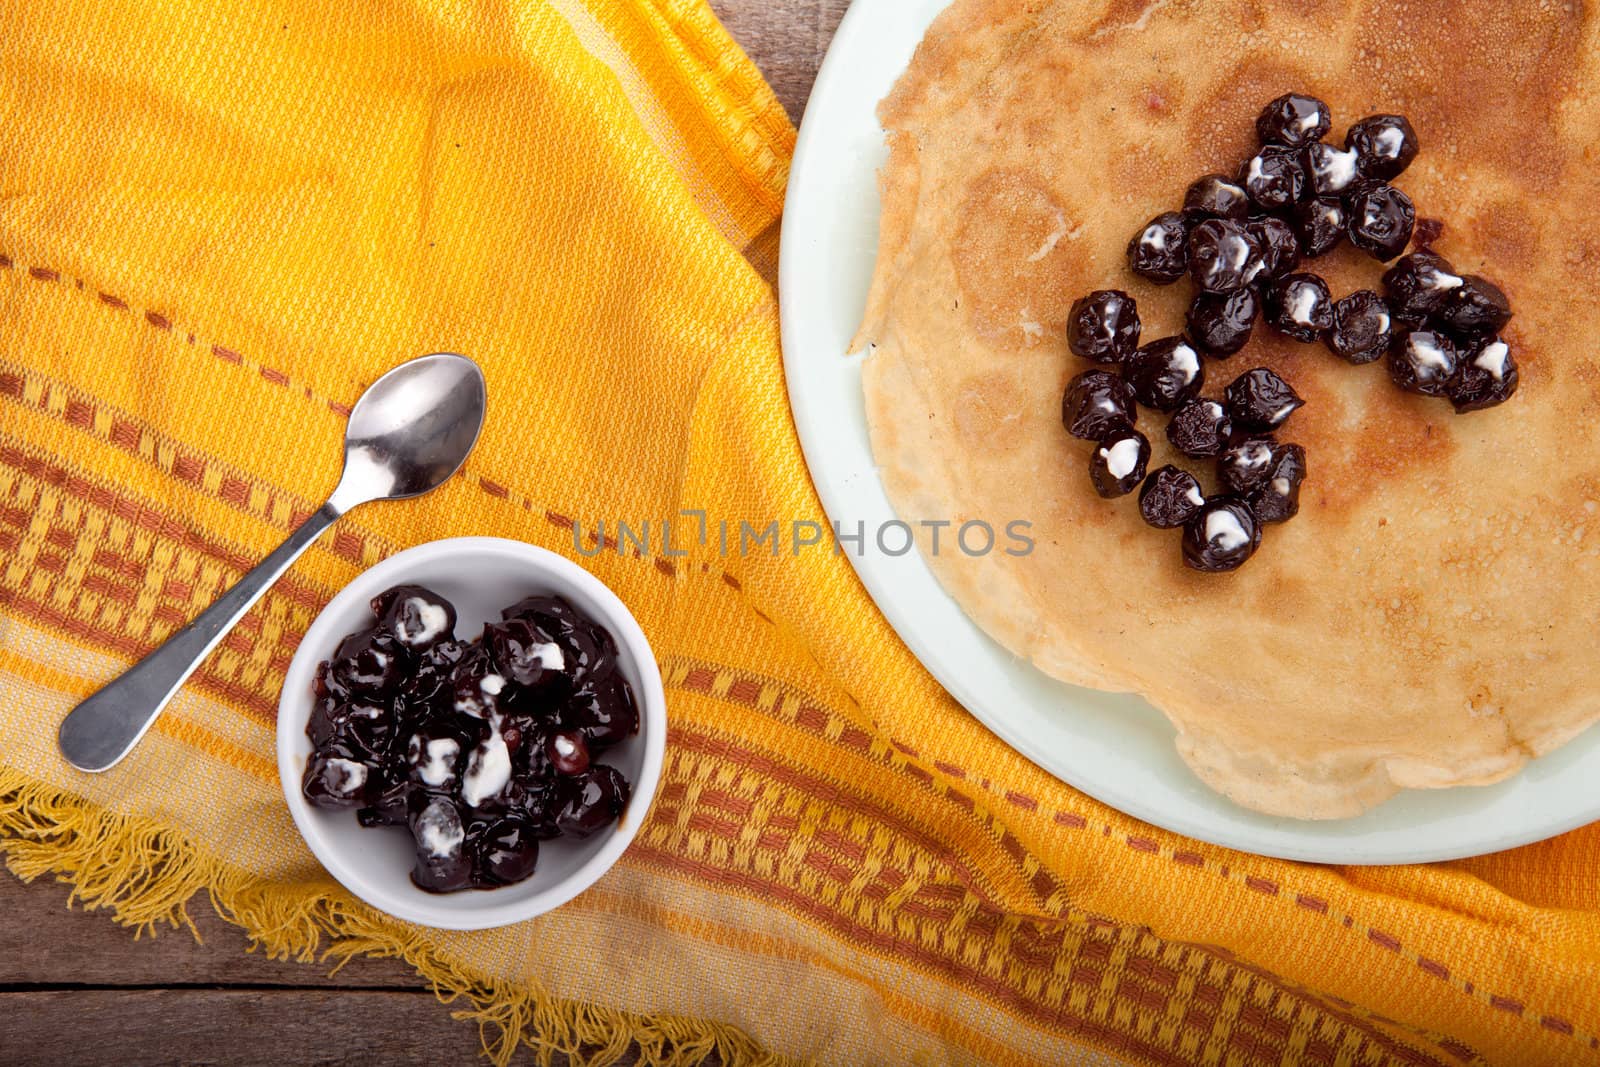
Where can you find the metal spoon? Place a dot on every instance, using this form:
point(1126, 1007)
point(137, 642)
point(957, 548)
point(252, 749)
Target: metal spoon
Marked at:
point(410, 431)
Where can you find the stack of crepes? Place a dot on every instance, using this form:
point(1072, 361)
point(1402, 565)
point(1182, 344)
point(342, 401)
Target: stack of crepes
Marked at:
point(218, 223)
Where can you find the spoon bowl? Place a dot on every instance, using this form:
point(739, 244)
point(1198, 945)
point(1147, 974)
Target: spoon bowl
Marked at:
point(413, 428)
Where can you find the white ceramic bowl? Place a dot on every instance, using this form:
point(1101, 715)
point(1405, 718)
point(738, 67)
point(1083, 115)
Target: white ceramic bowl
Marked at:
point(479, 575)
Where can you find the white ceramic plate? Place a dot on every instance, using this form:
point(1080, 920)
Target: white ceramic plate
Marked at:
point(1116, 748)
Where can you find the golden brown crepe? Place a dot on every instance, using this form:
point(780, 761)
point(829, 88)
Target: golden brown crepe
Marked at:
point(1429, 618)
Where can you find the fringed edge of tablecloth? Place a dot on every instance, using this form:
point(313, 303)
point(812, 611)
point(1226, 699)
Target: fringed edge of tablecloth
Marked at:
point(146, 874)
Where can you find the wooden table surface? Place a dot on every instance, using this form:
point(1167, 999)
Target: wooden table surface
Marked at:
point(76, 988)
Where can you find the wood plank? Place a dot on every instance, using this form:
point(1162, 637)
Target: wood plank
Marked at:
point(67, 979)
point(44, 943)
point(325, 1028)
point(134, 1028)
point(786, 38)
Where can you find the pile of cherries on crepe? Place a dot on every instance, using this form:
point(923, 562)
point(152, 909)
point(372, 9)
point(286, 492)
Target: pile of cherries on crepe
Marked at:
point(481, 749)
point(1241, 241)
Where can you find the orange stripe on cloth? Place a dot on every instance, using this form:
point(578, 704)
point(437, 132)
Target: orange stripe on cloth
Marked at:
point(786, 703)
point(990, 949)
point(138, 438)
point(190, 733)
point(160, 321)
point(75, 591)
point(743, 940)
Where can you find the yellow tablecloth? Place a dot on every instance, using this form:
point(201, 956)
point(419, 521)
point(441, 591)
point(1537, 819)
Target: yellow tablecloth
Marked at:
point(219, 221)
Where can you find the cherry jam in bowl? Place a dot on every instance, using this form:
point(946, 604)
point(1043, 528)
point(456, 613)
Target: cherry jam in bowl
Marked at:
point(376, 855)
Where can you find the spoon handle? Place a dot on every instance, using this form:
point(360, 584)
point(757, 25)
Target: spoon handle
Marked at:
point(97, 733)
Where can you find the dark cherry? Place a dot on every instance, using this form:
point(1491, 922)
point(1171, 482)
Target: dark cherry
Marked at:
point(1319, 224)
point(1160, 250)
point(605, 714)
point(1384, 145)
point(1220, 323)
point(323, 725)
point(1423, 361)
point(1117, 464)
point(431, 673)
point(568, 752)
point(507, 851)
point(1097, 403)
point(1475, 308)
point(370, 662)
point(442, 863)
point(489, 782)
point(336, 778)
point(1215, 196)
point(1329, 170)
point(1427, 232)
point(1165, 373)
point(1223, 256)
point(417, 617)
point(551, 612)
point(1418, 285)
point(1278, 497)
point(1381, 219)
point(529, 655)
point(1221, 536)
point(1293, 119)
point(525, 737)
point(434, 757)
point(516, 728)
point(1274, 178)
point(1201, 428)
point(537, 805)
point(1362, 327)
point(1486, 376)
point(468, 750)
point(591, 653)
point(1170, 497)
point(367, 728)
point(590, 648)
point(1300, 305)
point(477, 686)
point(1245, 464)
point(319, 682)
point(1103, 326)
point(388, 807)
point(1280, 247)
point(1259, 401)
point(590, 801)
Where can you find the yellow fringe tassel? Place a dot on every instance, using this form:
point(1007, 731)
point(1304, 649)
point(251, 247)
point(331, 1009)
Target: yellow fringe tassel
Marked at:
point(146, 874)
